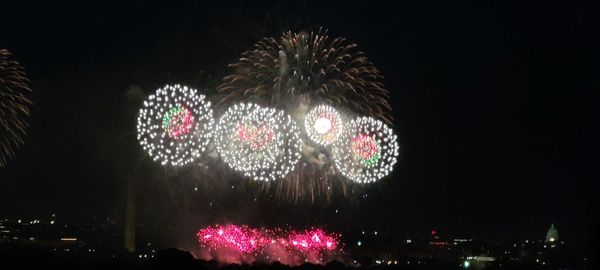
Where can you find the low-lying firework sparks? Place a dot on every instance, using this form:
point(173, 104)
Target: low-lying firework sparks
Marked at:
point(14, 106)
point(286, 246)
point(240, 238)
point(313, 240)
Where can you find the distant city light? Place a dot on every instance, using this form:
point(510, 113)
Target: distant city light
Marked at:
point(70, 239)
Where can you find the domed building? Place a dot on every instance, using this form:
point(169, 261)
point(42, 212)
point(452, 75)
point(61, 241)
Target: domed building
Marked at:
point(552, 235)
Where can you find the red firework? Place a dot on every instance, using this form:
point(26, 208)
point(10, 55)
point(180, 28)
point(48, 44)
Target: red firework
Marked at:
point(364, 146)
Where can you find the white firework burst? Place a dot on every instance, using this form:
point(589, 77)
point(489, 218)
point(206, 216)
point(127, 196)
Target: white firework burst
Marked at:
point(323, 125)
point(261, 143)
point(366, 151)
point(175, 125)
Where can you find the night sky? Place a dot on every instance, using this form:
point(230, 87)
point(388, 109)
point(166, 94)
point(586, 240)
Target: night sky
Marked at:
point(492, 103)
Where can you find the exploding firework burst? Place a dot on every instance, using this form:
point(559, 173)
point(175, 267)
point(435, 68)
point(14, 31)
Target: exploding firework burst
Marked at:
point(366, 151)
point(323, 125)
point(175, 125)
point(261, 143)
point(307, 66)
point(14, 106)
point(295, 72)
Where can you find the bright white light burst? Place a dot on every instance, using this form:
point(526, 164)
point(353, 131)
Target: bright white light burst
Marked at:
point(261, 143)
point(366, 151)
point(175, 125)
point(323, 125)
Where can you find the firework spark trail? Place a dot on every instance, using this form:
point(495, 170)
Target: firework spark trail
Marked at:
point(14, 106)
point(233, 243)
point(302, 65)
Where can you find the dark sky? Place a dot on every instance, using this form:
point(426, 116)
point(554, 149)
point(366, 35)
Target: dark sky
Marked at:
point(492, 104)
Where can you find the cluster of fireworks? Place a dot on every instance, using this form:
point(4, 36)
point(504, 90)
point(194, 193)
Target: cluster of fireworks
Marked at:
point(175, 126)
point(14, 106)
point(297, 111)
point(233, 243)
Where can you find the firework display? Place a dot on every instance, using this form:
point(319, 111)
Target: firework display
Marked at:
point(323, 125)
point(175, 125)
point(14, 106)
point(305, 77)
point(271, 244)
point(261, 143)
point(307, 66)
point(298, 72)
point(366, 151)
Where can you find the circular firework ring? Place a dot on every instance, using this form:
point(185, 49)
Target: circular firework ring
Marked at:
point(366, 151)
point(323, 125)
point(175, 125)
point(261, 143)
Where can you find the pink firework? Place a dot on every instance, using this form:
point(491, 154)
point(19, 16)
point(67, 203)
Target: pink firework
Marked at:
point(258, 138)
point(312, 240)
point(239, 238)
point(314, 245)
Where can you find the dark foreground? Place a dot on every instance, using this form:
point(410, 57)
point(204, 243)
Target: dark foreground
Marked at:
point(30, 258)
